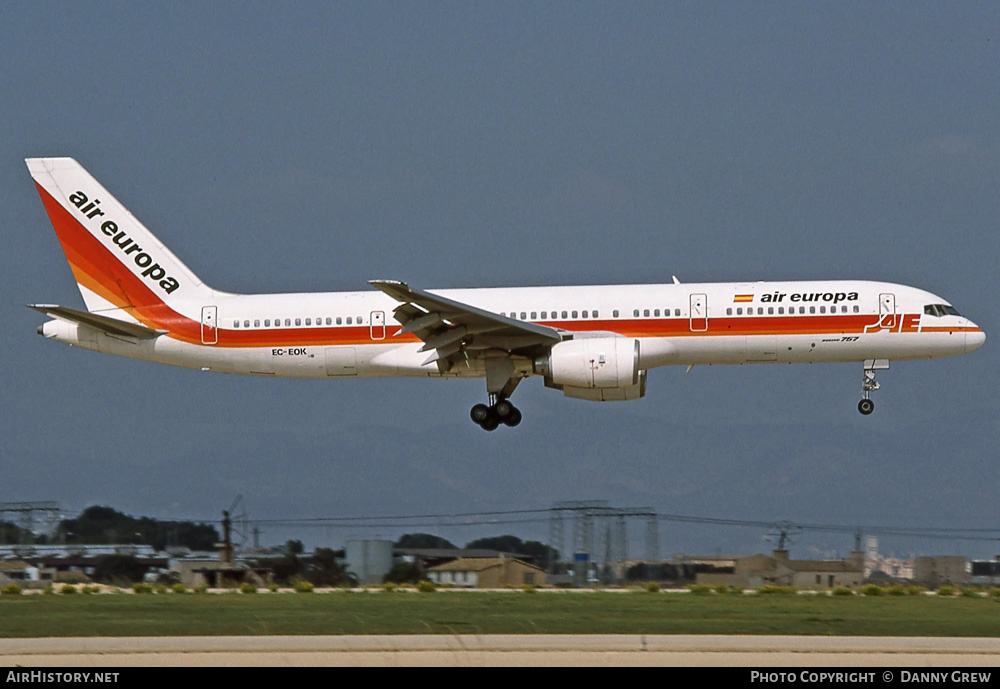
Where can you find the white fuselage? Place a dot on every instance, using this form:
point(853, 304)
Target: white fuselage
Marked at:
point(319, 335)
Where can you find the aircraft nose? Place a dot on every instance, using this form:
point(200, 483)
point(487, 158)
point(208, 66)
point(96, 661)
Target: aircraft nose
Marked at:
point(974, 340)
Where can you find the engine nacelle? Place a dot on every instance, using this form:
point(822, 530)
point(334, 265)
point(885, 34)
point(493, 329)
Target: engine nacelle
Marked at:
point(600, 369)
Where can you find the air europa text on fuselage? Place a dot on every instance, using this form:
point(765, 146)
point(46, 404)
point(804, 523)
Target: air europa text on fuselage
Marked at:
point(151, 269)
point(835, 297)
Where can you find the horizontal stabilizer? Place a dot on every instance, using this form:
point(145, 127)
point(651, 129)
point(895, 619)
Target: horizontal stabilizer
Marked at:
point(111, 326)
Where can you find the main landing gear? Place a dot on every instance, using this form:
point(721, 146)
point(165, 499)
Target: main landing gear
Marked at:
point(868, 383)
point(500, 411)
point(500, 383)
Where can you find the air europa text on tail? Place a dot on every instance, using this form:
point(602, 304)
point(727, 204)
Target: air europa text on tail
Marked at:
point(151, 270)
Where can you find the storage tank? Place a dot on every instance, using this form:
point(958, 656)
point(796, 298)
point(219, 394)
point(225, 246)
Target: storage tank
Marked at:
point(369, 561)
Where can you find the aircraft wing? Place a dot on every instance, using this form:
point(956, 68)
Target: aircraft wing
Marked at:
point(454, 330)
point(111, 326)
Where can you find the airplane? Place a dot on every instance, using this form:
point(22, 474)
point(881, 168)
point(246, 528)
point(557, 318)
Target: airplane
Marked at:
point(590, 342)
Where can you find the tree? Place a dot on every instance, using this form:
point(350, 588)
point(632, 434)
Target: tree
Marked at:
point(404, 573)
point(423, 540)
point(539, 552)
point(118, 569)
point(324, 569)
point(285, 567)
point(99, 524)
point(12, 534)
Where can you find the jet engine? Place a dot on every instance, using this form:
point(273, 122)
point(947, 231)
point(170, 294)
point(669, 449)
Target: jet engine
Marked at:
point(600, 369)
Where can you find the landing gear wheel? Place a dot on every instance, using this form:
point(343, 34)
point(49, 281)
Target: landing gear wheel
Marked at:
point(479, 414)
point(503, 408)
point(492, 421)
point(866, 406)
point(513, 418)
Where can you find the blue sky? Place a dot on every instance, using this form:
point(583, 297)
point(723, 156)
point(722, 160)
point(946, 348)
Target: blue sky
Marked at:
point(315, 146)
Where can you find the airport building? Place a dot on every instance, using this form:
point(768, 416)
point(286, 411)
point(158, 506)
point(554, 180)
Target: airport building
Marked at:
point(487, 573)
point(778, 569)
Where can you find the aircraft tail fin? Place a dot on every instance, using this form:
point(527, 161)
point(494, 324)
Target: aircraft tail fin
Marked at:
point(117, 262)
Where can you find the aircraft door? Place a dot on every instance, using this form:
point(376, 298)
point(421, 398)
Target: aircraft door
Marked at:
point(887, 311)
point(699, 313)
point(209, 325)
point(377, 327)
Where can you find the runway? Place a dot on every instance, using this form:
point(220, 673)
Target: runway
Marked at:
point(501, 650)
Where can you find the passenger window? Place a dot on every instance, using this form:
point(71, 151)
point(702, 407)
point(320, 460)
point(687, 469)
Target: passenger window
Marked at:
point(583, 314)
point(246, 324)
point(236, 324)
point(309, 321)
point(339, 320)
point(256, 322)
point(593, 314)
point(359, 320)
point(614, 313)
point(574, 314)
point(564, 314)
point(802, 309)
point(298, 321)
point(781, 310)
point(350, 321)
point(534, 315)
point(645, 312)
point(545, 315)
point(329, 321)
point(822, 309)
point(729, 311)
point(857, 308)
point(524, 316)
point(267, 322)
point(656, 312)
point(739, 311)
point(770, 310)
point(677, 312)
point(812, 309)
point(635, 313)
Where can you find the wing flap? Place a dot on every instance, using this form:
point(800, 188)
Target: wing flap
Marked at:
point(455, 329)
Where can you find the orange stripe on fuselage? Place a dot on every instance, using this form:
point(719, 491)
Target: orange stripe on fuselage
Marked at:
point(96, 268)
point(639, 328)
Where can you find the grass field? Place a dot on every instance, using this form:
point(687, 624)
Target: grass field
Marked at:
point(510, 612)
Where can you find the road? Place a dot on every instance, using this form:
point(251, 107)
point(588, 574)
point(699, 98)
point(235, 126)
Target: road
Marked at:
point(502, 650)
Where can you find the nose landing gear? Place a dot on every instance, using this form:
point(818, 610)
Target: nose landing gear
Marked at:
point(869, 384)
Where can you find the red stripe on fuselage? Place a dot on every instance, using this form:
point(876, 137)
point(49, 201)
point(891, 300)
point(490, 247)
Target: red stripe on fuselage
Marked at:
point(100, 271)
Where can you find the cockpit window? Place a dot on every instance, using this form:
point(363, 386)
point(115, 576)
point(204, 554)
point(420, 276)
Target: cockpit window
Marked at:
point(940, 310)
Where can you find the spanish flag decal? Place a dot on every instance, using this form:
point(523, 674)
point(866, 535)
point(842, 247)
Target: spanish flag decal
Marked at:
point(742, 298)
